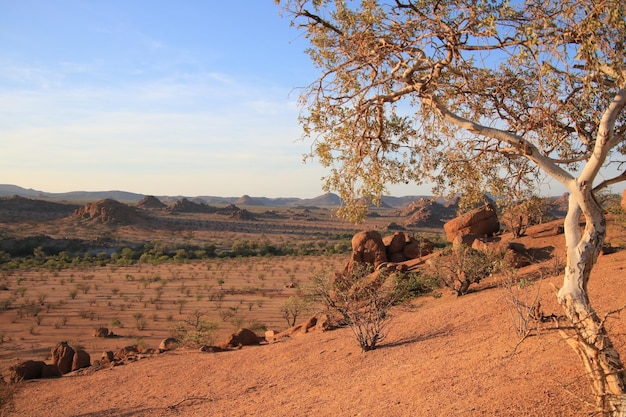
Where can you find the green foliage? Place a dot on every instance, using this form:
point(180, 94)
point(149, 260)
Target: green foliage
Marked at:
point(195, 331)
point(411, 92)
point(293, 308)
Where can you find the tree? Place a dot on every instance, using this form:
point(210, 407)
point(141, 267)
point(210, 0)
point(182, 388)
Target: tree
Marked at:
point(478, 96)
point(293, 308)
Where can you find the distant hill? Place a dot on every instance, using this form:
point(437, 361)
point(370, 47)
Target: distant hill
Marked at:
point(246, 200)
point(16, 208)
point(72, 196)
point(325, 200)
point(82, 197)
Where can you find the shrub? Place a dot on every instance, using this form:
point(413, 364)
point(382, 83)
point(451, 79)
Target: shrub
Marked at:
point(364, 299)
point(293, 308)
point(195, 331)
point(461, 266)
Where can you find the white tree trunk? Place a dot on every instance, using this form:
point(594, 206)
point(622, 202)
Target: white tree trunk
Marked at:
point(589, 338)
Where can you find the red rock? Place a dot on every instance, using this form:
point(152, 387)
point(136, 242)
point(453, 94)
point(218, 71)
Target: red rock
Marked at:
point(244, 337)
point(26, 370)
point(368, 247)
point(81, 360)
point(62, 356)
point(481, 221)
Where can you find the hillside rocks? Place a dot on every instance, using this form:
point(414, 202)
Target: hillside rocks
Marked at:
point(150, 202)
point(67, 359)
point(482, 221)
point(243, 337)
point(369, 247)
point(108, 211)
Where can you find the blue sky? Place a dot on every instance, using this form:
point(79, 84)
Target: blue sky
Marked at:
point(154, 97)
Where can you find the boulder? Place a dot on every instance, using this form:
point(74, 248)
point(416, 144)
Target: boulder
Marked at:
point(416, 248)
point(481, 221)
point(26, 370)
point(62, 357)
point(244, 337)
point(101, 332)
point(368, 247)
point(107, 356)
point(81, 360)
point(169, 344)
point(50, 371)
point(394, 243)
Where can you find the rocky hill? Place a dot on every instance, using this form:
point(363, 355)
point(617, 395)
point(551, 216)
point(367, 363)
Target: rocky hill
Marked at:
point(109, 211)
point(151, 203)
point(16, 208)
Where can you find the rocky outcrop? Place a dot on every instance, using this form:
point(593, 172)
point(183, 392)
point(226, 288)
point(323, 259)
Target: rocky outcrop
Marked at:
point(109, 211)
point(482, 221)
point(426, 212)
point(186, 206)
point(151, 203)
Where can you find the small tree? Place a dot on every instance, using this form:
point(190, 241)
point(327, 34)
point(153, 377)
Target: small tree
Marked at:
point(364, 299)
point(195, 331)
point(293, 308)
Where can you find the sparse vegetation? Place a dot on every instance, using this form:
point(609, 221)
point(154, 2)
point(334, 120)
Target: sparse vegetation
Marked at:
point(196, 331)
point(293, 308)
point(364, 300)
point(461, 266)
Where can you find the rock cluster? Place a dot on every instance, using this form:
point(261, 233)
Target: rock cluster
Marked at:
point(64, 360)
point(370, 247)
point(67, 359)
point(150, 202)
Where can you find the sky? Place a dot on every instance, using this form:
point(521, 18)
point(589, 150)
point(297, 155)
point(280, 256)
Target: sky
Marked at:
point(154, 97)
point(193, 98)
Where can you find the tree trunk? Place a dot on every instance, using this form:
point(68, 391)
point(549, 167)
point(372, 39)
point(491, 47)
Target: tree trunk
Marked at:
point(589, 338)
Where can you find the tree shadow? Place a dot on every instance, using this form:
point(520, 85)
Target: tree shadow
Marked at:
point(534, 254)
point(116, 412)
point(446, 331)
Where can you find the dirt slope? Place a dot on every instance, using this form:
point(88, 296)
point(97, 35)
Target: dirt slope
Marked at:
point(444, 356)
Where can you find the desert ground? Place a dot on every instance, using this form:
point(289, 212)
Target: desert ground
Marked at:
point(444, 355)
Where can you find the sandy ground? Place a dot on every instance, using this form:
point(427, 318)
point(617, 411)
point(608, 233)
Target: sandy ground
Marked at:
point(444, 356)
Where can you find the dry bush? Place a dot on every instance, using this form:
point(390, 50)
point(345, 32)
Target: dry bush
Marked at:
point(461, 266)
point(364, 300)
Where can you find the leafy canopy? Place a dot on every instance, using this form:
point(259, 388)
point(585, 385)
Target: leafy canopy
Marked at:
point(471, 95)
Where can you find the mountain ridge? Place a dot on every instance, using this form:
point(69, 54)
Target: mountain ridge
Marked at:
point(324, 200)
